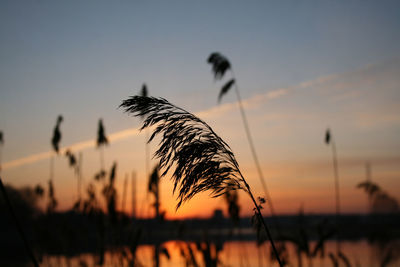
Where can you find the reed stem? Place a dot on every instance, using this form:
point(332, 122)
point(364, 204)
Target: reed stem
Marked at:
point(337, 195)
point(261, 218)
point(251, 144)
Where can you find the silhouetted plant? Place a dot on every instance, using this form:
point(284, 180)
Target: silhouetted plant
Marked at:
point(301, 239)
point(52, 204)
point(100, 175)
point(55, 141)
point(110, 194)
point(340, 257)
point(90, 205)
point(330, 141)
point(334, 260)
point(220, 65)
point(344, 258)
point(134, 243)
point(201, 159)
point(1, 148)
point(381, 202)
point(210, 253)
point(101, 142)
point(73, 164)
point(232, 200)
point(39, 191)
point(17, 224)
point(71, 160)
point(153, 188)
point(144, 92)
point(187, 254)
point(324, 233)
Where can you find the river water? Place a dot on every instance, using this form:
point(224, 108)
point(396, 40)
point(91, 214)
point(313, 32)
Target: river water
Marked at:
point(242, 254)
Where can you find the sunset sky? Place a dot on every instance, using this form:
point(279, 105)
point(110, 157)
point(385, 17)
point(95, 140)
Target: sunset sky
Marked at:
point(302, 66)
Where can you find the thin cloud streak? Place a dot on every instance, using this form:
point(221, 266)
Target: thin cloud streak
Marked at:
point(114, 137)
point(257, 100)
point(252, 102)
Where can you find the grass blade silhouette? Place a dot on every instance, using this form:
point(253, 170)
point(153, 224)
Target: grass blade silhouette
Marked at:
point(201, 160)
point(225, 89)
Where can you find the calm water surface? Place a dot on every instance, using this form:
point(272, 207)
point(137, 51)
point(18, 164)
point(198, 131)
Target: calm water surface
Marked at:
point(359, 253)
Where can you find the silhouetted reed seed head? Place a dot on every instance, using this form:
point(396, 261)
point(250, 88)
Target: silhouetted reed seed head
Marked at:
point(220, 64)
point(327, 136)
point(200, 158)
point(55, 141)
point(101, 135)
point(71, 158)
point(144, 92)
point(369, 187)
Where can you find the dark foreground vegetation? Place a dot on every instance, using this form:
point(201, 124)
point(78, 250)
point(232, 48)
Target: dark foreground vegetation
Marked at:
point(75, 232)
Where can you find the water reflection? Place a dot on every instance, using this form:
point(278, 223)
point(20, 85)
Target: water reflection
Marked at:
point(238, 254)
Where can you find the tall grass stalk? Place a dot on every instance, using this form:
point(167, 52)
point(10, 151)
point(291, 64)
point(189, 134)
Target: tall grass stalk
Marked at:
point(124, 188)
point(18, 225)
point(201, 160)
point(220, 66)
point(101, 142)
point(329, 140)
point(55, 142)
point(74, 164)
point(134, 215)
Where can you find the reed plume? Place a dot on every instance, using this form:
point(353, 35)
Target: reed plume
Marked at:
point(101, 141)
point(201, 160)
point(55, 141)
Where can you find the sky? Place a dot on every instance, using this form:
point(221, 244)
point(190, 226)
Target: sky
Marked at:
point(301, 67)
